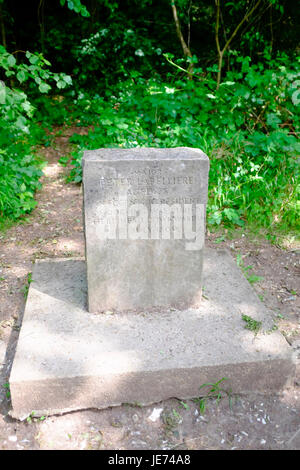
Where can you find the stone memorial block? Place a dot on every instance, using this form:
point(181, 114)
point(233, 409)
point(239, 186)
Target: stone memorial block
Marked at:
point(144, 228)
point(144, 216)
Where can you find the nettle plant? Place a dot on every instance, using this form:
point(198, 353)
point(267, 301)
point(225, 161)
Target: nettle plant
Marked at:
point(20, 168)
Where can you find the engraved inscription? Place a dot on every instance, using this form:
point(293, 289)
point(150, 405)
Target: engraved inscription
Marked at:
point(140, 180)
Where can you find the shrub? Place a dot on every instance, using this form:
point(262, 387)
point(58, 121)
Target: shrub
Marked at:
point(20, 168)
point(249, 129)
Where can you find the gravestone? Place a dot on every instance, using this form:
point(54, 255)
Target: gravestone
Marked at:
point(144, 212)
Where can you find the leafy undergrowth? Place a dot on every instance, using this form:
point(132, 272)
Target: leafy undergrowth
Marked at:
point(249, 129)
point(20, 166)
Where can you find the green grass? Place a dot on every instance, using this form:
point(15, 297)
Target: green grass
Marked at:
point(215, 391)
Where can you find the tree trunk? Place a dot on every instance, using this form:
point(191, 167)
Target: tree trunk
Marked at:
point(185, 47)
point(2, 25)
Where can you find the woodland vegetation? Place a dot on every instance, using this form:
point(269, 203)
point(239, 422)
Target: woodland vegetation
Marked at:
point(222, 76)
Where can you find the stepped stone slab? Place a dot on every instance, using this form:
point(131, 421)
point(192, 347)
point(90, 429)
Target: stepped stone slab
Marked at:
point(68, 359)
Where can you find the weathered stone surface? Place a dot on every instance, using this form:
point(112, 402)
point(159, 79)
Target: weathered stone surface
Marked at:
point(134, 270)
point(69, 359)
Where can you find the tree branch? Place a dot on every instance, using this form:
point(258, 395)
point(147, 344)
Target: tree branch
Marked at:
point(228, 42)
point(241, 24)
point(3, 34)
point(185, 47)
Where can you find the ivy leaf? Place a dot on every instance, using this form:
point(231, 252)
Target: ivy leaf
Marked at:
point(22, 76)
point(11, 60)
point(68, 79)
point(33, 59)
point(21, 123)
point(2, 93)
point(61, 84)
point(44, 87)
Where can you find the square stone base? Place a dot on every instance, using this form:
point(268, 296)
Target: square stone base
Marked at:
point(69, 359)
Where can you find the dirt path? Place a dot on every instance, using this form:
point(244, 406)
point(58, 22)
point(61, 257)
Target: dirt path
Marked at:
point(55, 229)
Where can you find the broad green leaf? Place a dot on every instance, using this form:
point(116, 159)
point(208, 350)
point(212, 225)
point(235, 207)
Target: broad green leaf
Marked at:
point(11, 60)
point(22, 76)
point(2, 93)
point(44, 87)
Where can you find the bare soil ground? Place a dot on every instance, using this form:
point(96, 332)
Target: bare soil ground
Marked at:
point(54, 229)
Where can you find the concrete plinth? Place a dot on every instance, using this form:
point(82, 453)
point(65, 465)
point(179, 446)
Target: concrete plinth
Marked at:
point(68, 359)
